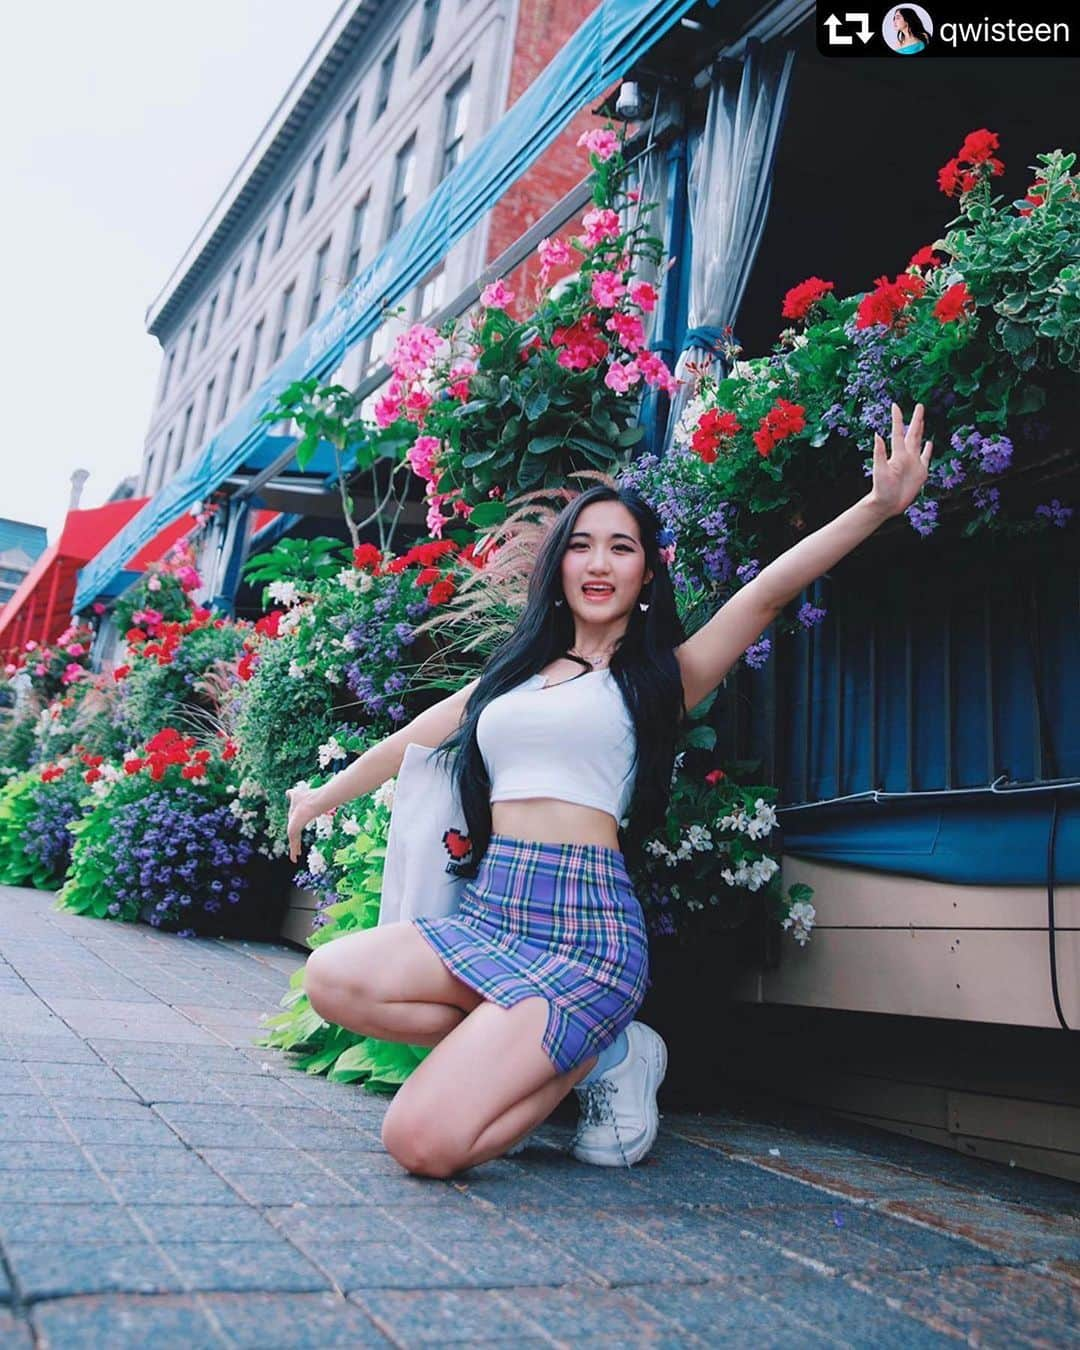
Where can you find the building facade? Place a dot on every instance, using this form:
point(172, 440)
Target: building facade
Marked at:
point(20, 547)
point(390, 100)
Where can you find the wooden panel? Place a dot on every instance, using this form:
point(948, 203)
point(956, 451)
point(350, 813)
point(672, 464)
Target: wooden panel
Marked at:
point(1004, 1118)
point(970, 974)
point(299, 916)
point(853, 896)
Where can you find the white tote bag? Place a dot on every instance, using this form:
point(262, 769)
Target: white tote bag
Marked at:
point(427, 832)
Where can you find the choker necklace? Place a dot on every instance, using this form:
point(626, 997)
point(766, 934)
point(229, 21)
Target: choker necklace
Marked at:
point(594, 664)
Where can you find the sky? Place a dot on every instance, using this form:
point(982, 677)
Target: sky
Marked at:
point(121, 122)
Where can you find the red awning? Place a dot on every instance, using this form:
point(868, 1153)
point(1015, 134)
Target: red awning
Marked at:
point(41, 608)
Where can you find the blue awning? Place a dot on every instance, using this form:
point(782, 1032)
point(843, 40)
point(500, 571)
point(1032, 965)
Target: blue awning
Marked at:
point(602, 49)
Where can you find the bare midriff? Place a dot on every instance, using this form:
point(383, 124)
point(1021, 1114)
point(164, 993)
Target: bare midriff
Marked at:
point(546, 820)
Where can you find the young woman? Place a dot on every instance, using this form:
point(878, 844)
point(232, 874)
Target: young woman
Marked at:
point(530, 989)
point(911, 34)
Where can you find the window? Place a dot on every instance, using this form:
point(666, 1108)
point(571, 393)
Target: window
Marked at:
point(386, 79)
point(226, 388)
point(379, 345)
point(356, 239)
point(181, 449)
point(313, 181)
point(432, 293)
point(348, 125)
point(230, 294)
point(283, 322)
point(200, 435)
point(318, 276)
point(455, 120)
point(256, 257)
point(283, 221)
point(404, 163)
point(253, 362)
point(170, 361)
point(163, 463)
point(188, 346)
point(428, 19)
point(209, 321)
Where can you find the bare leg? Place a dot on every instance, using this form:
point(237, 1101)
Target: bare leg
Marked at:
point(389, 983)
point(484, 1087)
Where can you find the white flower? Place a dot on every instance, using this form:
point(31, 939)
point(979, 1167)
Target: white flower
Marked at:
point(350, 826)
point(324, 826)
point(289, 621)
point(800, 920)
point(384, 794)
point(348, 578)
point(365, 582)
point(129, 755)
point(296, 670)
point(333, 749)
point(316, 862)
point(284, 592)
point(333, 674)
point(698, 837)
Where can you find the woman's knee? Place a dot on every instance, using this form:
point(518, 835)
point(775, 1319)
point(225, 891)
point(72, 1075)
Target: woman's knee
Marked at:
point(334, 982)
point(418, 1144)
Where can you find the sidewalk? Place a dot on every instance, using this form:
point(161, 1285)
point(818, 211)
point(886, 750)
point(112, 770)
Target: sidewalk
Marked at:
point(163, 1182)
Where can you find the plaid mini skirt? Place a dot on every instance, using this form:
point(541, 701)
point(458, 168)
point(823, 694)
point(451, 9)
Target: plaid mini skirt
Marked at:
point(556, 920)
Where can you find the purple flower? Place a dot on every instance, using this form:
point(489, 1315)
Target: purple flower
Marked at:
point(1055, 513)
point(987, 499)
point(757, 654)
point(809, 615)
point(748, 570)
point(923, 517)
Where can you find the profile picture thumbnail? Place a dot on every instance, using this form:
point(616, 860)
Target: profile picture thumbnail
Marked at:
point(907, 29)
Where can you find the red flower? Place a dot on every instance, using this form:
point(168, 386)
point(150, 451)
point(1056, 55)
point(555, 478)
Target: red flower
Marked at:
point(888, 301)
point(427, 575)
point(230, 750)
point(134, 765)
point(193, 771)
point(246, 665)
point(268, 624)
point(713, 427)
point(53, 771)
point(954, 304)
point(165, 739)
point(1034, 197)
point(135, 635)
point(119, 673)
point(91, 775)
point(926, 257)
point(714, 777)
point(978, 145)
point(441, 592)
point(367, 555)
point(782, 420)
point(801, 298)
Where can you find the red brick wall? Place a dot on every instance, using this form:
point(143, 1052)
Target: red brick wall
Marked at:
point(543, 27)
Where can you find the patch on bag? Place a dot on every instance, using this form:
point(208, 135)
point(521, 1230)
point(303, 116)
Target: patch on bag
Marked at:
point(458, 845)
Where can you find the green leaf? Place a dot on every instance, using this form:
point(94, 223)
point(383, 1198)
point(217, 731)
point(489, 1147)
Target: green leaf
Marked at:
point(543, 445)
point(630, 436)
point(486, 514)
point(475, 457)
point(536, 404)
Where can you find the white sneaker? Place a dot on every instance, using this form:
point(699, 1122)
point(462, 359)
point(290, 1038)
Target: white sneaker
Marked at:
point(619, 1117)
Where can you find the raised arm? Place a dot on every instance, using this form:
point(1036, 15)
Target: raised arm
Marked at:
point(706, 657)
point(377, 764)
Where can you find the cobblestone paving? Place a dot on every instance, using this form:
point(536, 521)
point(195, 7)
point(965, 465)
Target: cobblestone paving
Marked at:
point(164, 1182)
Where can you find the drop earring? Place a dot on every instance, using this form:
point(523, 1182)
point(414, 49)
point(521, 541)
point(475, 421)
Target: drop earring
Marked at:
point(558, 603)
point(643, 605)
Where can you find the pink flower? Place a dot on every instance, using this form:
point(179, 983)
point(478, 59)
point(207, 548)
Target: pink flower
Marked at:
point(387, 410)
point(41, 670)
point(606, 289)
point(656, 372)
point(601, 224)
point(459, 378)
point(153, 583)
point(554, 253)
point(633, 195)
point(602, 144)
point(31, 646)
point(421, 456)
point(76, 649)
point(98, 607)
point(620, 377)
point(435, 519)
point(10, 669)
point(629, 328)
point(72, 673)
point(414, 351)
point(189, 579)
point(417, 402)
point(644, 296)
point(497, 295)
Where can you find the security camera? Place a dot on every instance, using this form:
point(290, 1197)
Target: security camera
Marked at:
point(628, 104)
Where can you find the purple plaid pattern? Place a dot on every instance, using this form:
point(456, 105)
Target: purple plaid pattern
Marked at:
point(558, 920)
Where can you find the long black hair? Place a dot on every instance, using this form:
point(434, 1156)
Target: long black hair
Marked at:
point(643, 665)
point(914, 23)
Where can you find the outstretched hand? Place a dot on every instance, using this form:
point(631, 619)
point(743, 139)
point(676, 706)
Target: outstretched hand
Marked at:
point(899, 477)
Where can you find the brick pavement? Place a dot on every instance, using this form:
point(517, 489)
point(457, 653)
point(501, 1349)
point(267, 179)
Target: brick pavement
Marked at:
point(165, 1182)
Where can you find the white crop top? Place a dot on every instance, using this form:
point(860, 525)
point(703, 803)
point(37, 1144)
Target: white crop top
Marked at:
point(572, 741)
